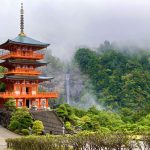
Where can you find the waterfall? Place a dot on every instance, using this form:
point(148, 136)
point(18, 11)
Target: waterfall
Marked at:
point(68, 87)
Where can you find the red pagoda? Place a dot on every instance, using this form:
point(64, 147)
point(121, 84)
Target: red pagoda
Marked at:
point(21, 78)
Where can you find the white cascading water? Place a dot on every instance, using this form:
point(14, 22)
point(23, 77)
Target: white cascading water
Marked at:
point(68, 88)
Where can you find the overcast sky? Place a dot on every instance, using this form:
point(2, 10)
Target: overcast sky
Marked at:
point(67, 24)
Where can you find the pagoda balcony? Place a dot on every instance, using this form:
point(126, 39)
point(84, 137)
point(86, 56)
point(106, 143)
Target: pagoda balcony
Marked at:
point(23, 71)
point(23, 56)
point(7, 95)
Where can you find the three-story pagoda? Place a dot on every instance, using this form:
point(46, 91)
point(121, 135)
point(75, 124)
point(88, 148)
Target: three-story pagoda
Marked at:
point(21, 78)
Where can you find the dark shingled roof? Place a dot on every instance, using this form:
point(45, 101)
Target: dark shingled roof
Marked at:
point(24, 40)
point(16, 77)
point(27, 62)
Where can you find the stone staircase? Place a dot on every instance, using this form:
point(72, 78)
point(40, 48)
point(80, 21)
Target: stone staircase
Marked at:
point(52, 123)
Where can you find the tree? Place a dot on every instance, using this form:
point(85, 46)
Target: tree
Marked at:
point(37, 127)
point(120, 80)
point(21, 119)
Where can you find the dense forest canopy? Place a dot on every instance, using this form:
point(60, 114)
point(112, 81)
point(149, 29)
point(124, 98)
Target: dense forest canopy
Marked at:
point(121, 79)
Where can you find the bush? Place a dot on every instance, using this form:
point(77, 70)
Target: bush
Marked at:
point(37, 127)
point(82, 140)
point(25, 132)
point(17, 131)
point(10, 105)
point(21, 119)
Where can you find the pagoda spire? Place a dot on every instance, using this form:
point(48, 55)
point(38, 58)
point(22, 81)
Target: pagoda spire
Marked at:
point(22, 21)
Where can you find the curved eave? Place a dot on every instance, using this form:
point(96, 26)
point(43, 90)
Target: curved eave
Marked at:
point(10, 42)
point(15, 77)
point(10, 63)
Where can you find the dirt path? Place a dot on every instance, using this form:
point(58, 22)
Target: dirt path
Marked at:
point(4, 134)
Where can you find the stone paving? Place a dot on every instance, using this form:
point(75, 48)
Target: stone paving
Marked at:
point(4, 134)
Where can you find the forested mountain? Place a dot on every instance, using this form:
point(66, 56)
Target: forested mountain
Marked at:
point(121, 79)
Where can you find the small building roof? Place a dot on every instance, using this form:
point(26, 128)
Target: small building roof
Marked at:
point(24, 40)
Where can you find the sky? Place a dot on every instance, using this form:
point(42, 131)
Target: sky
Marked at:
point(69, 24)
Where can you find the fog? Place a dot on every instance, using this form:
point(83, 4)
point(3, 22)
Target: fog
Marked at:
point(68, 24)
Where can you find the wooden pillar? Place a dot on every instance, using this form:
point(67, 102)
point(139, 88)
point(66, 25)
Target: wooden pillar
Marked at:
point(47, 103)
point(17, 103)
point(24, 102)
point(39, 103)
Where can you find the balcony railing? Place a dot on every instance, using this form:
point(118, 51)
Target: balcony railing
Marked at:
point(6, 95)
point(24, 56)
point(27, 71)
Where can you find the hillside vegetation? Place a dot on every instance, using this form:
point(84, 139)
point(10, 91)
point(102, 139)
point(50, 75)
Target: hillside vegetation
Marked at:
point(121, 80)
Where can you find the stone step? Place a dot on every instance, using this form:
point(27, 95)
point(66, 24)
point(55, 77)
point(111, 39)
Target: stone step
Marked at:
point(52, 123)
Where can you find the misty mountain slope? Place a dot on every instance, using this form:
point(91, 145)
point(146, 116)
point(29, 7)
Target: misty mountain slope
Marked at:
point(80, 88)
point(80, 92)
point(121, 81)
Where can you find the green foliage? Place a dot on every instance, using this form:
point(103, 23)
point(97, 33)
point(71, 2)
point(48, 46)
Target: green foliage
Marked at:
point(2, 85)
point(65, 112)
point(82, 140)
point(25, 132)
point(21, 119)
point(145, 121)
point(37, 127)
point(120, 80)
point(10, 105)
point(91, 119)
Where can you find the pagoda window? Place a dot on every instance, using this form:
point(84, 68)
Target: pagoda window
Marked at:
point(23, 90)
point(18, 88)
point(24, 53)
point(20, 103)
point(31, 67)
point(33, 90)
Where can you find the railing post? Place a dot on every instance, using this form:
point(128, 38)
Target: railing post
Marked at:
point(17, 103)
point(39, 103)
point(24, 102)
point(46, 102)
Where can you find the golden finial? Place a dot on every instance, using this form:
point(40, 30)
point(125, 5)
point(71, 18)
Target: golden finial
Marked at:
point(22, 21)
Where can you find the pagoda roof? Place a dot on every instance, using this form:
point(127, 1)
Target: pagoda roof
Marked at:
point(21, 61)
point(24, 40)
point(17, 77)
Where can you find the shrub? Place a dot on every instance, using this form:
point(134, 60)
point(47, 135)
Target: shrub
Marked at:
point(10, 105)
point(21, 119)
point(82, 140)
point(37, 127)
point(14, 124)
point(25, 132)
point(17, 131)
point(68, 125)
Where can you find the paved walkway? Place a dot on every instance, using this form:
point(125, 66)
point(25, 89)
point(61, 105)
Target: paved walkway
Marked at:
point(4, 134)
